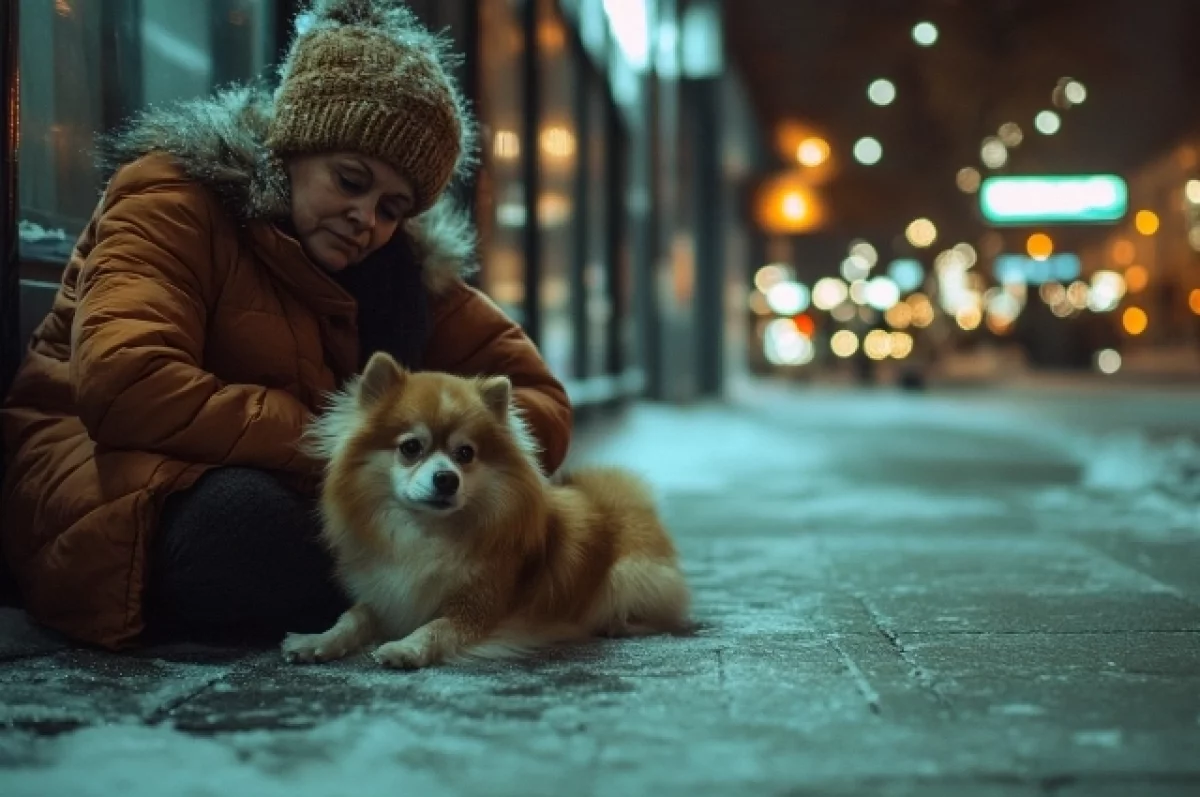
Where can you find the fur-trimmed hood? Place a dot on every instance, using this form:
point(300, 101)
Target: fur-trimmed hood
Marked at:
point(219, 142)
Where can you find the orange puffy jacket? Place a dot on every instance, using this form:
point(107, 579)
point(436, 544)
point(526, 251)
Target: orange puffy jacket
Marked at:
point(190, 332)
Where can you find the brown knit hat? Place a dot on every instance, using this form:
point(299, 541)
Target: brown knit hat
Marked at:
point(365, 76)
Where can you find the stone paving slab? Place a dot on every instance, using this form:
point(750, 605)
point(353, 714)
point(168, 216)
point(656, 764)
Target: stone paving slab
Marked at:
point(19, 637)
point(871, 620)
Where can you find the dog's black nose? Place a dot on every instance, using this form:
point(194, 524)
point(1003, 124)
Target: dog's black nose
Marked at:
point(445, 482)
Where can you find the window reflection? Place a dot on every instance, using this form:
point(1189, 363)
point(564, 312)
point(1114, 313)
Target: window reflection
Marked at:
point(501, 193)
point(557, 158)
point(597, 291)
point(87, 66)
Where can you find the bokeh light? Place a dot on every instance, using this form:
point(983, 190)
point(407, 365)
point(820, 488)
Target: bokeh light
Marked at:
point(899, 315)
point(1052, 293)
point(881, 91)
point(1136, 278)
point(812, 151)
point(788, 297)
point(828, 293)
point(907, 273)
point(1039, 246)
point(858, 291)
point(1047, 123)
point(1123, 252)
point(844, 311)
point(922, 310)
point(1108, 361)
point(758, 303)
point(805, 325)
point(1108, 288)
point(1077, 294)
point(1146, 222)
point(866, 252)
point(901, 345)
point(968, 254)
point(969, 318)
point(854, 268)
point(921, 233)
point(784, 345)
point(771, 274)
point(844, 343)
point(882, 293)
point(968, 179)
point(1010, 134)
point(877, 344)
point(868, 151)
point(993, 153)
point(1191, 192)
point(1135, 320)
point(925, 34)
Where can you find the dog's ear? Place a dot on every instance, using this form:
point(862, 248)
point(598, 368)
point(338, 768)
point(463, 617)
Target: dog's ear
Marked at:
point(496, 392)
point(381, 376)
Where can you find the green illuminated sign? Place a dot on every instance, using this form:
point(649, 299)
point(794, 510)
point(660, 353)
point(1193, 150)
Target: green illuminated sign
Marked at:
point(1063, 199)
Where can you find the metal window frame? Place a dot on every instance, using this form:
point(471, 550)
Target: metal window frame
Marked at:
point(10, 264)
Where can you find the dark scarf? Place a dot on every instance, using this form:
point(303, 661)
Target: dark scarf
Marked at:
point(393, 304)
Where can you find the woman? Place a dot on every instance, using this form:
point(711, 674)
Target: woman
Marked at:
point(248, 255)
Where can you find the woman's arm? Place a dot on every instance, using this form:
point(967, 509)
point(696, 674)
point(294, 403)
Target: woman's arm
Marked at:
point(137, 341)
point(473, 337)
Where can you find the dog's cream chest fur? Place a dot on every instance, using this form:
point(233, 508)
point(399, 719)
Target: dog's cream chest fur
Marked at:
point(406, 589)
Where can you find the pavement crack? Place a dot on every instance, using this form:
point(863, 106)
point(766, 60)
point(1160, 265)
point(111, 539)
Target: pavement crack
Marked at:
point(861, 682)
point(164, 711)
point(918, 673)
point(724, 698)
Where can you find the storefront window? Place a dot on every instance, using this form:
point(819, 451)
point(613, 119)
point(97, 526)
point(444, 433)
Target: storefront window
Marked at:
point(632, 212)
point(501, 192)
point(87, 66)
point(596, 272)
point(558, 151)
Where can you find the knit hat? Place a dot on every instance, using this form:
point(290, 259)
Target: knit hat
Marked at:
point(366, 77)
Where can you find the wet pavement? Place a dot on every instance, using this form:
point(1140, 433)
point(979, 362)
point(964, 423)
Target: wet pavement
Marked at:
point(989, 592)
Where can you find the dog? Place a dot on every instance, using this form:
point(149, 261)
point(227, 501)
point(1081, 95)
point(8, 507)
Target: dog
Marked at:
point(451, 542)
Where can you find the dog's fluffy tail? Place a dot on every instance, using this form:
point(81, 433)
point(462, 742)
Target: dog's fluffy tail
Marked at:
point(642, 597)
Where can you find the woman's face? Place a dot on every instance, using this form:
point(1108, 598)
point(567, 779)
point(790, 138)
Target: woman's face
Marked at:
point(345, 206)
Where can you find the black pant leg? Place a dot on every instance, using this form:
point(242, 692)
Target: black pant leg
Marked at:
point(238, 557)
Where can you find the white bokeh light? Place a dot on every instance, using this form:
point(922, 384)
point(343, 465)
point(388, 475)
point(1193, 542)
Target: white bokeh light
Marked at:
point(784, 345)
point(993, 153)
point(925, 34)
point(1108, 361)
point(882, 91)
point(882, 293)
point(788, 297)
point(868, 151)
point(867, 252)
point(1047, 123)
point(828, 293)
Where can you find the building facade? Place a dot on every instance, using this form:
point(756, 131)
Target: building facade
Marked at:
point(616, 146)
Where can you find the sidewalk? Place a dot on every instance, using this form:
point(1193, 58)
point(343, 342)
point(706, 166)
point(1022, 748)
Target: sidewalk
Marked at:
point(944, 594)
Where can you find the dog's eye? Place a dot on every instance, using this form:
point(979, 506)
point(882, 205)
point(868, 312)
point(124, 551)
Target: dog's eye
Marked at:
point(463, 455)
point(411, 447)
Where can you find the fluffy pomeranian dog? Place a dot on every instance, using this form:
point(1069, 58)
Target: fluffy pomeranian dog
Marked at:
point(452, 543)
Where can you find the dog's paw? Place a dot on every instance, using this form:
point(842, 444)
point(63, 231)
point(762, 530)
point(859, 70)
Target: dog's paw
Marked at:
point(405, 654)
point(312, 648)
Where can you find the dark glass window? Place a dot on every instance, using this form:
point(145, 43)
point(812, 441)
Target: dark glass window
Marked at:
point(501, 193)
point(87, 65)
point(557, 153)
